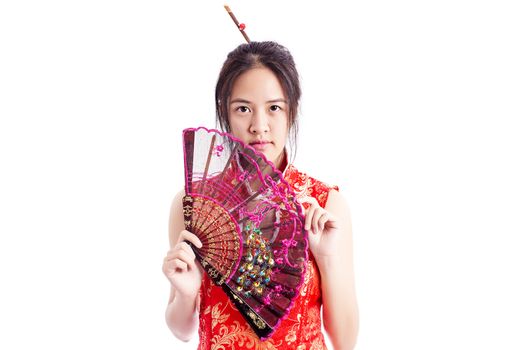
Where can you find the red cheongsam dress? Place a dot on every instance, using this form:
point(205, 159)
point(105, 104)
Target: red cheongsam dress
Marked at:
point(222, 327)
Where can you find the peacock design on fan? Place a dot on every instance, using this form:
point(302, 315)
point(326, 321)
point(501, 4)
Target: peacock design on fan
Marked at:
point(249, 222)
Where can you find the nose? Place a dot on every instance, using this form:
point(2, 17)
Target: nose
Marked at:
point(259, 123)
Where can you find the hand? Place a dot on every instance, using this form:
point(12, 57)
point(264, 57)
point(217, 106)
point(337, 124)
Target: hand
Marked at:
point(322, 228)
point(181, 268)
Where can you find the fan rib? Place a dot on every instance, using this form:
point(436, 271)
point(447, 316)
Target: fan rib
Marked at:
point(208, 161)
point(206, 169)
point(189, 142)
point(226, 166)
point(205, 229)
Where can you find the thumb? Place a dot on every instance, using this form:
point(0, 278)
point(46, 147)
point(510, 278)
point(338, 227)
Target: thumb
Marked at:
point(308, 201)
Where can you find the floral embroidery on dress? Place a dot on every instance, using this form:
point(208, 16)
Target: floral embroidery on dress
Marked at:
point(217, 315)
point(222, 327)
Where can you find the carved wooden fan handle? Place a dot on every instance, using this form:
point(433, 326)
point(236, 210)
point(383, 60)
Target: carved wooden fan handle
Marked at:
point(187, 207)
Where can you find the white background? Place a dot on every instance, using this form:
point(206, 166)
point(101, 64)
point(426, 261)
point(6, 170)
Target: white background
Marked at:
point(411, 107)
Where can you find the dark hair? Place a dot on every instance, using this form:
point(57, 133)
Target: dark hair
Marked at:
point(267, 54)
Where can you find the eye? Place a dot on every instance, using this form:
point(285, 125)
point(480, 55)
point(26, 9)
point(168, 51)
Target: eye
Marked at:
point(275, 108)
point(242, 109)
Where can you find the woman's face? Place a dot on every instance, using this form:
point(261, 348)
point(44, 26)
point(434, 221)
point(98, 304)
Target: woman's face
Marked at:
point(258, 112)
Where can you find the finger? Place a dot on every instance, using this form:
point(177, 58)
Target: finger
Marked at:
point(180, 265)
point(171, 266)
point(168, 260)
point(322, 220)
point(311, 237)
point(188, 261)
point(192, 265)
point(190, 237)
point(185, 247)
point(309, 200)
point(185, 257)
point(172, 253)
point(314, 220)
point(332, 222)
point(307, 220)
point(308, 203)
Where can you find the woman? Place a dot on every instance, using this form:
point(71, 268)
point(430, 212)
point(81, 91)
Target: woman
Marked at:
point(257, 96)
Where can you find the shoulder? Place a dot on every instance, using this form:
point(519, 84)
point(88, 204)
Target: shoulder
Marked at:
point(336, 203)
point(306, 185)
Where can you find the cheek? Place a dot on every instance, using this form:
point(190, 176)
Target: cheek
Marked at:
point(237, 128)
point(283, 130)
point(284, 136)
point(233, 124)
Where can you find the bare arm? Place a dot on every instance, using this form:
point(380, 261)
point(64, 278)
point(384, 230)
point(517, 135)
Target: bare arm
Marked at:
point(340, 310)
point(185, 276)
point(330, 240)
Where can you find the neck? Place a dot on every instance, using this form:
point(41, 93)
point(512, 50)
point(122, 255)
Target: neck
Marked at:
point(281, 162)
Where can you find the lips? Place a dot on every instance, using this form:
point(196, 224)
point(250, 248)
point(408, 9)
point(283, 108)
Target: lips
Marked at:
point(260, 145)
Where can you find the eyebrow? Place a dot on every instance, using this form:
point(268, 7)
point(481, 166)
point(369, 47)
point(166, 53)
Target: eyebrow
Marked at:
point(241, 100)
point(278, 100)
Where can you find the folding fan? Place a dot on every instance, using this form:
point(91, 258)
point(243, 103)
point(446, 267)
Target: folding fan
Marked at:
point(250, 225)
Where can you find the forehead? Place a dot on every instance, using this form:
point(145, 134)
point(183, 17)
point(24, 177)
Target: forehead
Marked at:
point(257, 83)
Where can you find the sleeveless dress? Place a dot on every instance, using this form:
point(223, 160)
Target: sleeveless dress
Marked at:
point(222, 327)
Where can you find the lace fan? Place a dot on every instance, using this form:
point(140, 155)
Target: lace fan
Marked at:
point(250, 225)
